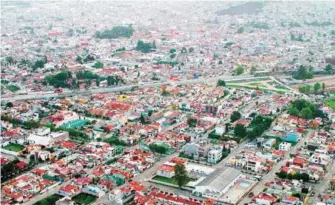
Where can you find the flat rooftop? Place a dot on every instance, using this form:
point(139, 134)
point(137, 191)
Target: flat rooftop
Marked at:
point(238, 191)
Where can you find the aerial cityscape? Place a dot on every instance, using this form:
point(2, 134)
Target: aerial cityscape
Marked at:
point(167, 102)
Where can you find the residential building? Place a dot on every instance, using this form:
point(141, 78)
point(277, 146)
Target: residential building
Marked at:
point(284, 146)
point(214, 156)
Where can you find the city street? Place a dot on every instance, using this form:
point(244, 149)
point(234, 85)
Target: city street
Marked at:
point(42, 95)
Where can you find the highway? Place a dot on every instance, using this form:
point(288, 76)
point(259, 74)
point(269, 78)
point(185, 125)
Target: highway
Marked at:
point(42, 95)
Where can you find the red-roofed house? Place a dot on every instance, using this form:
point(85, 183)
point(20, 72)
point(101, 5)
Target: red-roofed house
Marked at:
point(21, 165)
point(266, 199)
point(68, 190)
point(166, 171)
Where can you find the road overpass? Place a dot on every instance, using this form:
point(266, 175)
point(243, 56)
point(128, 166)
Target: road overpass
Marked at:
point(43, 95)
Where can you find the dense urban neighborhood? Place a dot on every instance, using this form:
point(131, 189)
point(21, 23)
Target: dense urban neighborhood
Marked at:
point(184, 103)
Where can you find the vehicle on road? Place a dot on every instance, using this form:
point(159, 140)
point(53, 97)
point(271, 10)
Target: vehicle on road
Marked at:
point(58, 90)
point(251, 194)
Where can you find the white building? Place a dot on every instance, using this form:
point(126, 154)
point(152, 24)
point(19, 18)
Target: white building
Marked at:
point(167, 170)
point(285, 146)
point(268, 144)
point(217, 183)
point(214, 156)
point(254, 164)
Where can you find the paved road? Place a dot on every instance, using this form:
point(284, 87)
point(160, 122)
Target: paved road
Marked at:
point(321, 187)
point(41, 95)
point(13, 157)
point(45, 194)
point(272, 174)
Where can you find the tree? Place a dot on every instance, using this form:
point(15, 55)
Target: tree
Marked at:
point(173, 50)
point(307, 110)
point(98, 64)
point(304, 177)
point(221, 83)
point(32, 160)
point(190, 50)
point(115, 32)
point(181, 175)
point(95, 180)
point(173, 55)
point(329, 68)
point(144, 47)
point(9, 59)
point(293, 111)
point(302, 73)
point(239, 70)
point(306, 113)
point(154, 45)
point(240, 30)
point(142, 119)
point(323, 87)
point(282, 175)
point(183, 50)
point(31, 124)
point(9, 104)
point(235, 116)
point(165, 93)
point(253, 70)
point(192, 122)
point(317, 87)
point(305, 89)
point(111, 80)
point(79, 60)
point(240, 131)
point(252, 134)
point(157, 148)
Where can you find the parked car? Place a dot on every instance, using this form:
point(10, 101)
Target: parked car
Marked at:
point(251, 194)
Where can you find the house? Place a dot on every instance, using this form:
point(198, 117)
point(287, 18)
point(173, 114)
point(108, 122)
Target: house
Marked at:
point(214, 156)
point(290, 200)
point(220, 130)
point(320, 159)
point(299, 161)
point(65, 201)
point(68, 190)
point(93, 190)
point(122, 195)
point(254, 164)
point(196, 150)
point(265, 199)
point(285, 146)
point(268, 144)
point(167, 170)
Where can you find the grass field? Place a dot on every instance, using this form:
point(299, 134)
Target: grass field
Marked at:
point(281, 87)
point(168, 180)
point(14, 147)
point(50, 200)
point(331, 103)
point(13, 88)
point(165, 179)
point(84, 199)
